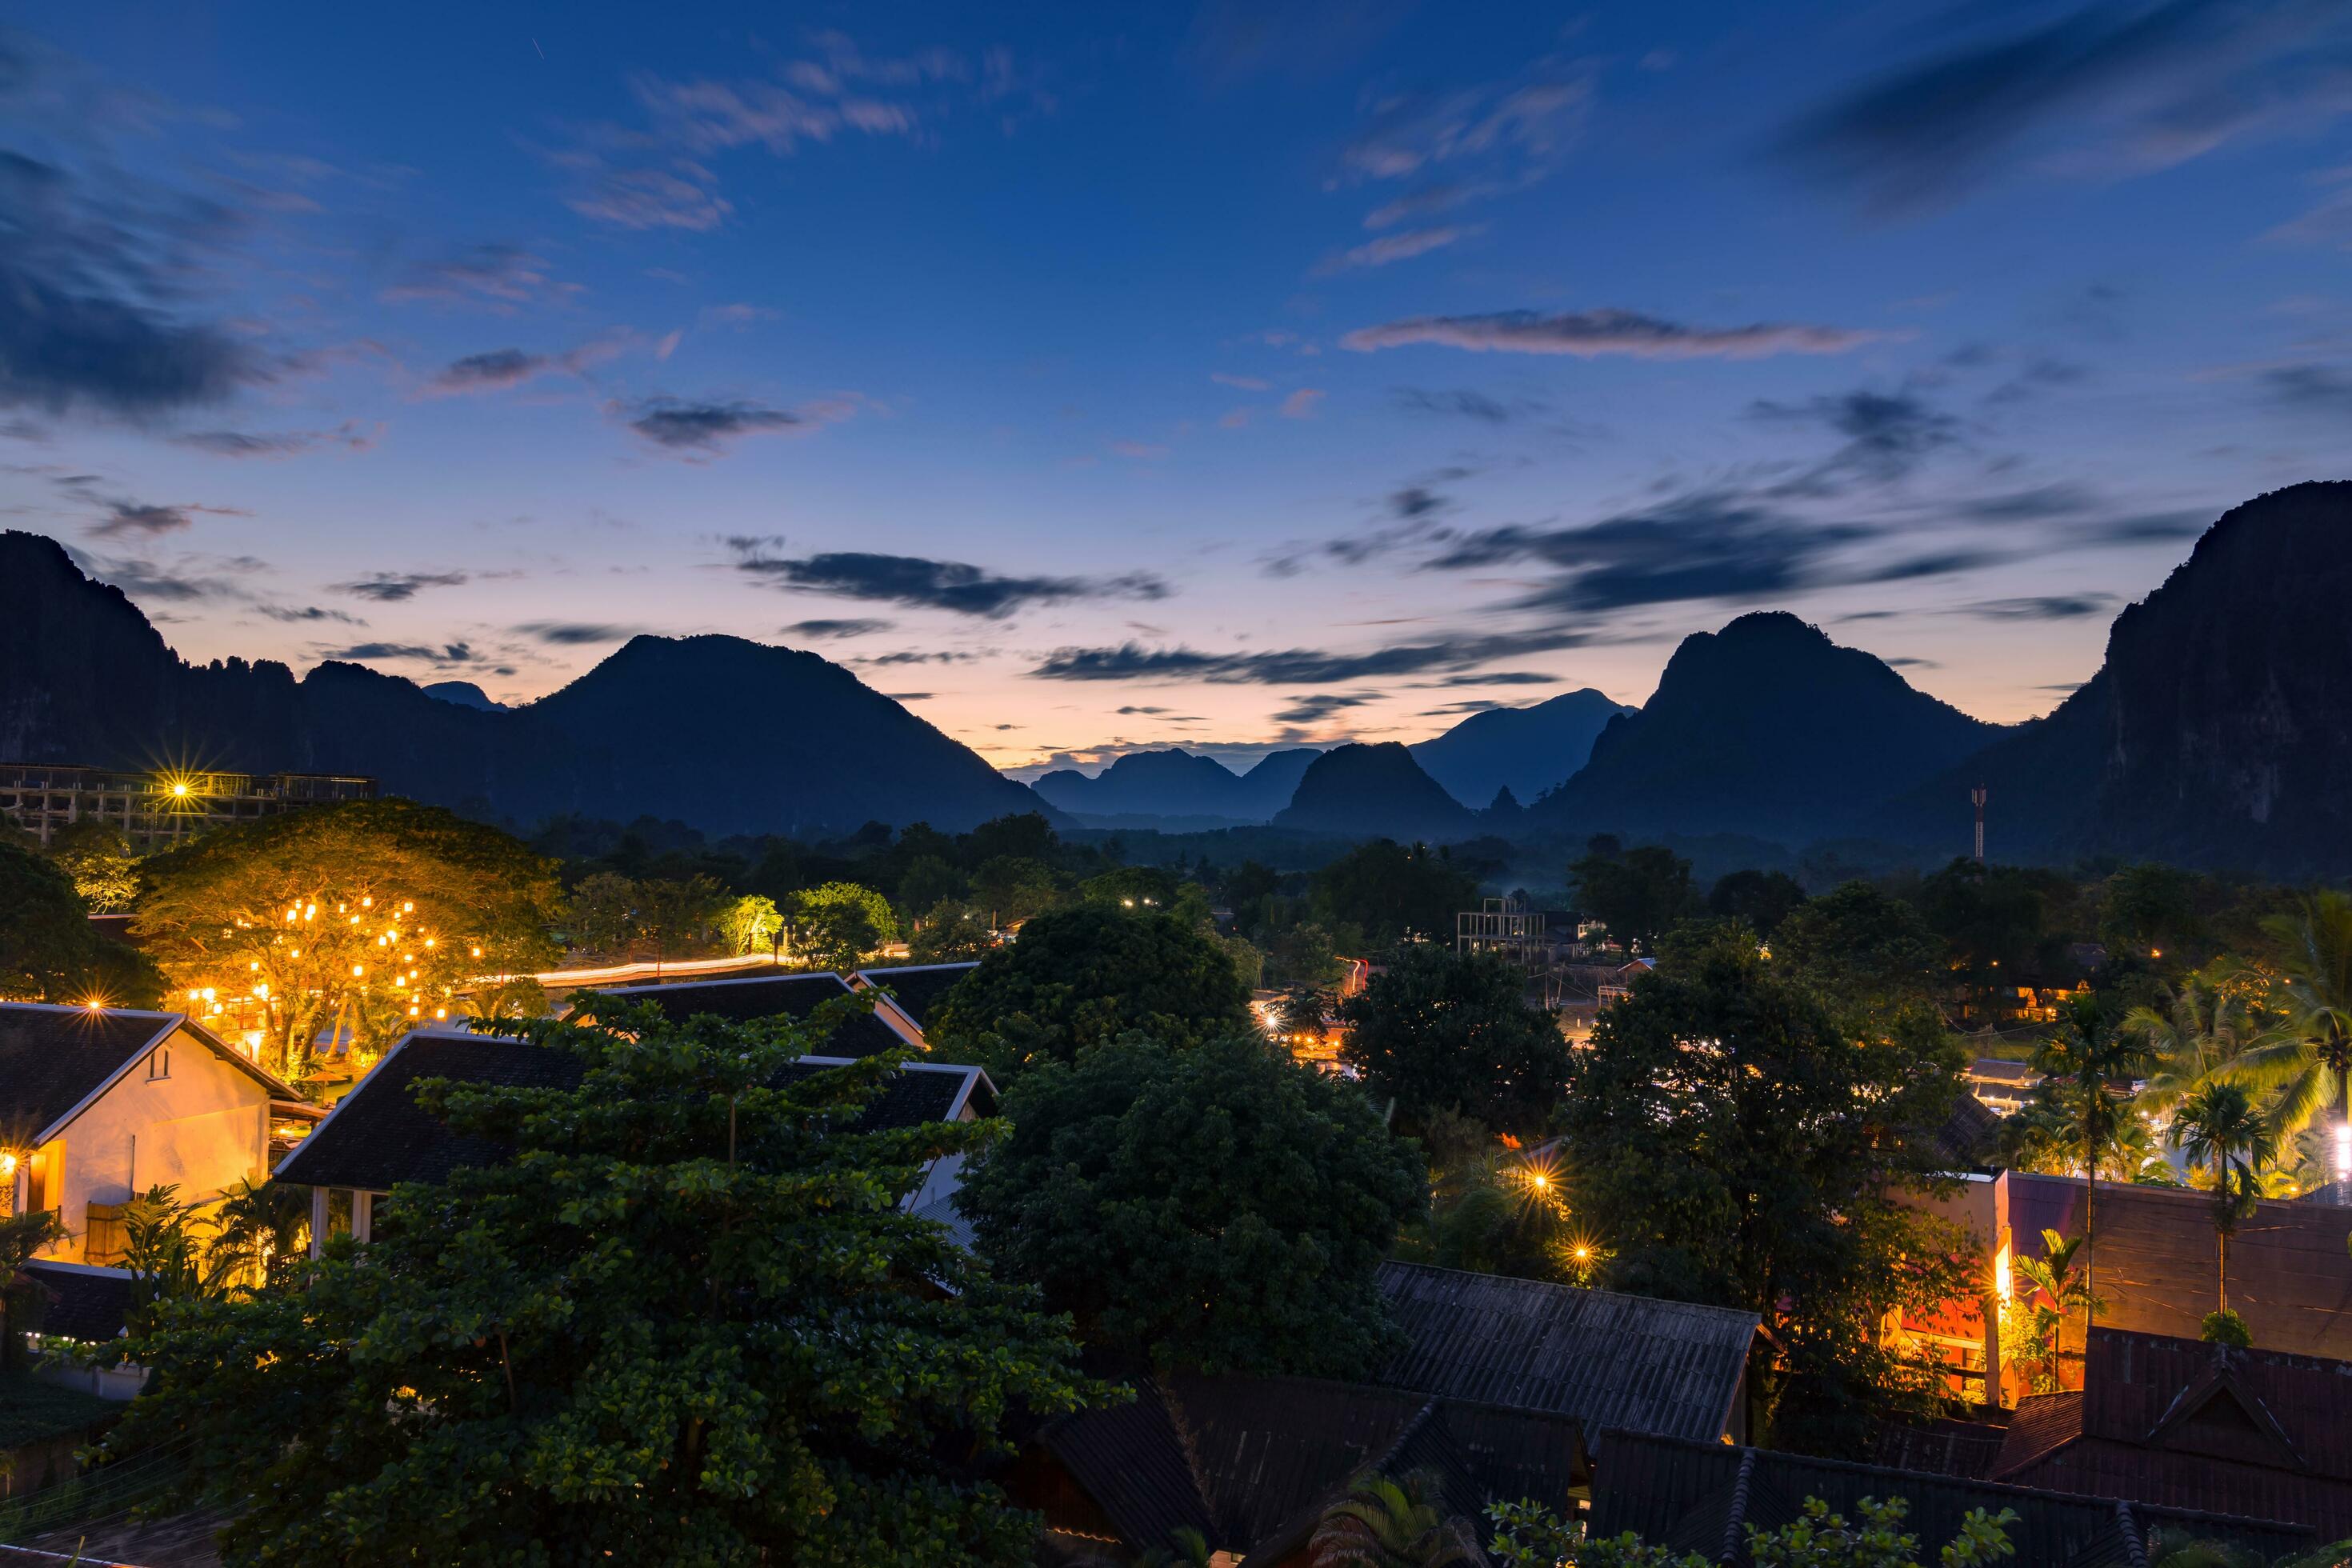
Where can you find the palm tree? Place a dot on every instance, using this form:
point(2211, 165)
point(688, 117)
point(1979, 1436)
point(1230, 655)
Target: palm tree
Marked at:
point(2084, 1060)
point(2218, 1127)
point(2207, 1024)
point(2051, 1276)
point(2311, 1066)
point(1385, 1523)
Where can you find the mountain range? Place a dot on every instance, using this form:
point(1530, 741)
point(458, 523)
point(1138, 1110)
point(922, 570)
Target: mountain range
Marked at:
point(2217, 733)
point(728, 735)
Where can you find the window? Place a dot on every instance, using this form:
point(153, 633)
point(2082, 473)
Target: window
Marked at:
point(159, 1064)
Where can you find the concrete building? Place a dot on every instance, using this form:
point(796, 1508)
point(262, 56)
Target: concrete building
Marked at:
point(100, 1104)
point(157, 810)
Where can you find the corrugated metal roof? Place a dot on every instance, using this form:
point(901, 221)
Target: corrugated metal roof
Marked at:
point(1673, 1368)
point(2289, 1277)
point(1701, 1497)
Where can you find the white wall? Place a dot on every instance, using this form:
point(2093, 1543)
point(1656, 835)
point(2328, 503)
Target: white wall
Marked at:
point(203, 1128)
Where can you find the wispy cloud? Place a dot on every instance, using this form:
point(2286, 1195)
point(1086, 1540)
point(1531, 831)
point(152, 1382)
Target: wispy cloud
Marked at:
point(1314, 709)
point(686, 427)
point(349, 434)
point(138, 518)
point(396, 587)
point(1589, 335)
point(953, 585)
point(576, 634)
point(1303, 403)
point(1299, 666)
point(498, 277)
point(849, 627)
point(2107, 87)
point(1391, 247)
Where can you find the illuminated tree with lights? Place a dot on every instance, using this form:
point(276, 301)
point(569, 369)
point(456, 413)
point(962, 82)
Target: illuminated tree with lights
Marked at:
point(837, 924)
point(351, 922)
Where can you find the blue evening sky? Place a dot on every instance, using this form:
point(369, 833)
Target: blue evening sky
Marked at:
point(1095, 377)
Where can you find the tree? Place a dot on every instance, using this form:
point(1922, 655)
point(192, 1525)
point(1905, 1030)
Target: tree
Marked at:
point(2148, 904)
point(1132, 887)
point(1389, 892)
point(1393, 1523)
point(1636, 892)
point(353, 921)
point(928, 881)
point(2081, 1063)
point(1867, 954)
point(1762, 899)
point(603, 914)
point(23, 1237)
point(1441, 1030)
point(1217, 1206)
point(1086, 975)
point(687, 1322)
point(1735, 1146)
point(951, 933)
point(677, 913)
point(1026, 836)
point(2037, 1320)
point(2207, 1024)
point(751, 922)
point(2219, 1128)
point(2310, 1067)
point(1301, 955)
point(838, 923)
point(95, 855)
point(1013, 889)
point(49, 951)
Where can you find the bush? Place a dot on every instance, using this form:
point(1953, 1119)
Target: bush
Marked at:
point(2226, 1328)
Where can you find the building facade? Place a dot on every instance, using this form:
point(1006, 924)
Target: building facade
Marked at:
point(157, 810)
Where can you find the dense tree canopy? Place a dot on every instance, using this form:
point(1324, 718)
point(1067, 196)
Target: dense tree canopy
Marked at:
point(1089, 973)
point(1386, 891)
point(835, 925)
point(1220, 1205)
point(688, 1322)
point(361, 917)
point(1733, 1146)
point(1438, 1030)
point(1762, 899)
point(49, 951)
point(1861, 951)
point(1636, 892)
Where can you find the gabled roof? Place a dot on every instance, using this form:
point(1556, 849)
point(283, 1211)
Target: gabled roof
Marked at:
point(56, 1060)
point(2180, 1423)
point(378, 1136)
point(1251, 1462)
point(1702, 1497)
point(914, 988)
point(80, 1301)
point(1609, 1360)
point(766, 996)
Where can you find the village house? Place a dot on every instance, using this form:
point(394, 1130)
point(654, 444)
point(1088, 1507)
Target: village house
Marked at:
point(101, 1104)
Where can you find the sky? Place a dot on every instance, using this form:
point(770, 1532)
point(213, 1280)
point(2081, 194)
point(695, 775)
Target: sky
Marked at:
point(1094, 378)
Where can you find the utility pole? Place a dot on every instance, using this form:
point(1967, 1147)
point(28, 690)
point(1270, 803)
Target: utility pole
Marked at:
point(1977, 796)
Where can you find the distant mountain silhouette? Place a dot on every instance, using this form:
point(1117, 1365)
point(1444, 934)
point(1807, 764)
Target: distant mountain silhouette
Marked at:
point(1525, 749)
point(2218, 733)
point(1375, 791)
point(464, 693)
point(729, 736)
point(1177, 784)
point(1765, 728)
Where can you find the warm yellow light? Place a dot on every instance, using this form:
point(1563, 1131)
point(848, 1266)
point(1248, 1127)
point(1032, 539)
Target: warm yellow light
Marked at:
point(95, 1005)
point(1539, 1180)
point(255, 964)
point(478, 952)
point(408, 909)
point(209, 992)
point(358, 969)
point(368, 902)
point(1584, 1255)
point(7, 1166)
point(428, 941)
point(179, 789)
point(440, 1012)
point(262, 991)
point(2001, 1284)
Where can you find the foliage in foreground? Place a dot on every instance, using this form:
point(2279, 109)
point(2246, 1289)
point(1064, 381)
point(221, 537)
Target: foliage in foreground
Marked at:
point(1441, 1030)
point(48, 950)
point(1528, 1535)
point(1220, 1205)
point(686, 1324)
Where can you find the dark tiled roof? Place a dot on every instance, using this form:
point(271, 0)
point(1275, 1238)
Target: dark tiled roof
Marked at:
point(1251, 1462)
point(776, 997)
point(1700, 1497)
point(77, 1302)
point(1611, 1361)
point(52, 1059)
point(2156, 1264)
point(2182, 1424)
point(1963, 1449)
point(378, 1136)
point(916, 988)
